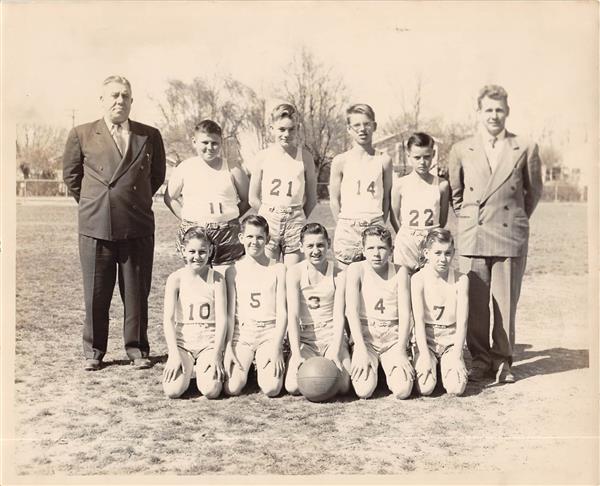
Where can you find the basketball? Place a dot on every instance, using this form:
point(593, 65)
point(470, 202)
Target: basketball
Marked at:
point(317, 379)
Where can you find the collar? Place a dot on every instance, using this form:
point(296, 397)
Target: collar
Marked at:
point(124, 125)
point(486, 137)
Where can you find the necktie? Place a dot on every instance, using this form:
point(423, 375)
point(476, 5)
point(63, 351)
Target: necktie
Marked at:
point(117, 134)
point(493, 141)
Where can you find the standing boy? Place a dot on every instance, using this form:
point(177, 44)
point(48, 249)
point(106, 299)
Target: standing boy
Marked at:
point(205, 191)
point(419, 202)
point(359, 187)
point(283, 186)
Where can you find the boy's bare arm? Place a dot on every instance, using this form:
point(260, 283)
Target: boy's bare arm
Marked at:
point(353, 276)
point(173, 204)
point(241, 183)
point(404, 305)
point(396, 204)
point(221, 314)
point(387, 186)
point(293, 304)
point(255, 183)
point(462, 313)
point(171, 293)
point(444, 202)
point(335, 182)
point(416, 284)
point(339, 308)
point(310, 181)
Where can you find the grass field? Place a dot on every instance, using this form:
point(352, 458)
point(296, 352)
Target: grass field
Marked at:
point(117, 421)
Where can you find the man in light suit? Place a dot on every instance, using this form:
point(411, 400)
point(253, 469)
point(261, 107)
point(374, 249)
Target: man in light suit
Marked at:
point(496, 183)
point(113, 167)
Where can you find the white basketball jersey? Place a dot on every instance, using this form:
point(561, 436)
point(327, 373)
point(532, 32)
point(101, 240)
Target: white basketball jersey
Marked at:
point(209, 195)
point(361, 190)
point(282, 178)
point(440, 304)
point(379, 297)
point(195, 309)
point(256, 291)
point(316, 299)
point(420, 206)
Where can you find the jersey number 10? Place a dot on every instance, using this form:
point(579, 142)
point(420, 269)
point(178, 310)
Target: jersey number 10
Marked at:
point(204, 311)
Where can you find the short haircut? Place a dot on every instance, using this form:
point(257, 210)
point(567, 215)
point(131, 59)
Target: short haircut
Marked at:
point(117, 79)
point(210, 127)
point(284, 110)
point(360, 109)
point(377, 230)
point(494, 92)
point(255, 220)
point(420, 139)
point(313, 229)
point(436, 235)
point(197, 233)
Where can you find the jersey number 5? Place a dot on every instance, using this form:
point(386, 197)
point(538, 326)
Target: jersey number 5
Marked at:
point(277, 184)
point(204, 311)
point(254, 301)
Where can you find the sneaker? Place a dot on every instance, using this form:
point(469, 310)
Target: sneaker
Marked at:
point(92, 364)
point(505, 374)
point(141, 363)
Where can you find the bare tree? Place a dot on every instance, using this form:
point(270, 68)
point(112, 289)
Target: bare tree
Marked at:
point(233, 105)
point(320, 97)
point(39, 148)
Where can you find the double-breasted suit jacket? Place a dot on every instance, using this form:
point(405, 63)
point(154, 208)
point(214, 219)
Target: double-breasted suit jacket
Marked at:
point(114, 192)
point(116, 226)
point(493, 210)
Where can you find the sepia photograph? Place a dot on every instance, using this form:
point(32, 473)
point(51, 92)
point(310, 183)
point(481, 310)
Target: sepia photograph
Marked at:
point(300, 242)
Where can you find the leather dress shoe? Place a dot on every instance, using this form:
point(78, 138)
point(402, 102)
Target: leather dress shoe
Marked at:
point(505, 374)
point(478, 374)
point(92, 364)
point(141, 363)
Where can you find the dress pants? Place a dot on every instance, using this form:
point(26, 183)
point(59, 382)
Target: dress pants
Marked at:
point(495, 281)
point(101, 262)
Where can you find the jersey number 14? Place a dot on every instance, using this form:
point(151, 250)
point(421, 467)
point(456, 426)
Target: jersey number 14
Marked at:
point(370, 188)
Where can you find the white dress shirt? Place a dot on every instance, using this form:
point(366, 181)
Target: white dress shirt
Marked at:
point(492, 145)
point(120, 136)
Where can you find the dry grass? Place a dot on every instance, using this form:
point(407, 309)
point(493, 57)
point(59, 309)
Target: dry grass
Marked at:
point(116, 421)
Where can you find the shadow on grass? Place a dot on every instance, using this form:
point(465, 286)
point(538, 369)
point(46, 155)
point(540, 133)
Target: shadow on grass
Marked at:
point(548, 361)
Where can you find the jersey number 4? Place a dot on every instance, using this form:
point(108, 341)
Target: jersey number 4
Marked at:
point(203, 312)
point(414, 220)
point(370, 188)
point(277, 184)
point(379, 306)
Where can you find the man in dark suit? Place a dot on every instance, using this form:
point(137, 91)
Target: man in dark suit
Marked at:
point(496, 183)
point(113, 167)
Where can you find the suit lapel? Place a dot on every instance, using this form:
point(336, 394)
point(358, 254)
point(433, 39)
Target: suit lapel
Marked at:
point(481, 164)
point(137, 140)
point(107, 145)
point(506, 164)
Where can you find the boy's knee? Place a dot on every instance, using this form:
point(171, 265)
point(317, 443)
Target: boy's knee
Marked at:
point(343, 383)
point(401, 387)
point(426, 388)
point(291, 386)
point(454, 386)
point(364, 388)
point(174, 389)
point(234, 386)
point(271, 386)
point(211, 389)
